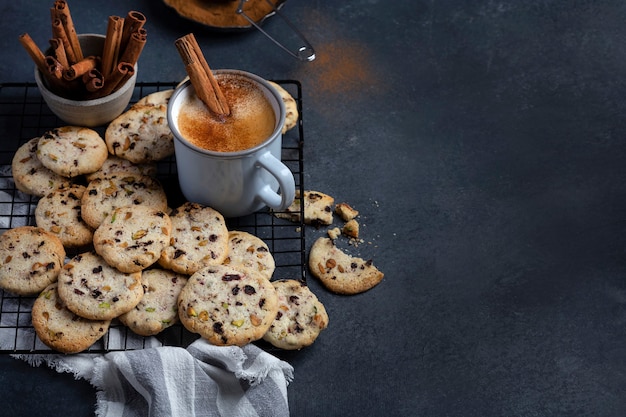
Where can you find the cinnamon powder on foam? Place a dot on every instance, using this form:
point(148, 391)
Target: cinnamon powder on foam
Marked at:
point(252, 119)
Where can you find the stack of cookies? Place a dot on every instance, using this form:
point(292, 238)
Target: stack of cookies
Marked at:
point(134, 259)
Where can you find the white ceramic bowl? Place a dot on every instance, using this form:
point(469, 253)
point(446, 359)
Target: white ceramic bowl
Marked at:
point(89, 113)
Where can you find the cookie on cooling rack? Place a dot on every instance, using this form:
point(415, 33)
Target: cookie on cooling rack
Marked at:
point(72, 150)
point(250, 251)
point(93, 289)
point(103, 195)
point(131, 238)
point(158, 308)
point(317, 208)
point(29, 174)
point(199, 238)
point(141, 134)
point(300, 318)
point(30, 259)
point(340, 272)
point(59, 213)
point(59, 328)
point(115, 164)
point(228, 306)
point(291, 107)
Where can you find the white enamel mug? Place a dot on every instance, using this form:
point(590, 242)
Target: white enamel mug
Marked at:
point(233, 183)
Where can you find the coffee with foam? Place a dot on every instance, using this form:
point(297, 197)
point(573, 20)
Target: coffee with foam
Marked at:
point(251, 122)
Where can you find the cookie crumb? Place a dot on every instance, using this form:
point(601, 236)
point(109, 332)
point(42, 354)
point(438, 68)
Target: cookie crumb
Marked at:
point(334, 233)
point(345, 211)
point(351, 229)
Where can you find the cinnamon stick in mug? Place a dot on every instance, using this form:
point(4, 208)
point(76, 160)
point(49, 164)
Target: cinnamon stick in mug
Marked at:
point(201, 76)
point(133, 48)
point(58, 32)
point(133, 22)
point(93, 80)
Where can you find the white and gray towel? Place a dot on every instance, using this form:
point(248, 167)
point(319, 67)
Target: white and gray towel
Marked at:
point(201, 380)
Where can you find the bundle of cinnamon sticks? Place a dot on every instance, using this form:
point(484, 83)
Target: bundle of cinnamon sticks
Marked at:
point(70, 74)
point(201, 76)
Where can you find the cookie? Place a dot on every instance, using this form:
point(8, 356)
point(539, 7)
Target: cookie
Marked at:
point(291, 107)
point(141, 134)
point(103, 195)
point(30, 259)
point(72, 150)
point(115, 164)
point(59, 328)
point(340, 272)
point(228, 306)
point(251, 252)
point(29, 174)
point(199, 238)
point(131, 238)
point(317, 209)
point(351, 229)
point(156, 99)
point(93, 289)
point(300, 319)
point(158, 308)
point(58, 212)
point(346, 212)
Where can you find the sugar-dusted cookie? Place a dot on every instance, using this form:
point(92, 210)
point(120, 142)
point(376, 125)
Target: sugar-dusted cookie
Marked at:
point(29, 174)
point(157, 98)
point(103, 195)
point(115, 164)
point(30, 259)
point(158, 308)
point(59, 328)
point(93, 289)
point(59, 213)
point(300, 319)
point(291, 107)
point(141, 134)
point(317, 208)
point(250, 251)
point(340, 272)
point(131, 238)
point(72, 150)
point(199, 238)
point(228, 306)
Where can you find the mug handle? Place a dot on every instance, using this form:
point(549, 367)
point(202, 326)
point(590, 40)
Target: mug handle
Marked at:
point(285, 180)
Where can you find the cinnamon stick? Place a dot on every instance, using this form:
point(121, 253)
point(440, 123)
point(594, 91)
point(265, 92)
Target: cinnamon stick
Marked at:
point(133, 22)
point(121, 73)
point(81, 67)
point(59, 52)
point(133, 49)
point(63, 13)
point(112, 42)
point(93, 80)
point(58, 32)
point(34, 52)
point(201, 75)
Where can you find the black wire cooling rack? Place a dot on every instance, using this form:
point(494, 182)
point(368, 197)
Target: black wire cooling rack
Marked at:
point(24, 115)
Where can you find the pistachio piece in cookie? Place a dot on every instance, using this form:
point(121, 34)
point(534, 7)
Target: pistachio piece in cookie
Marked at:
point(340, 272)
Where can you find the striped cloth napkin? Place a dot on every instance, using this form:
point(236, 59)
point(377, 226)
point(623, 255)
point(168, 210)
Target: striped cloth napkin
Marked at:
point(200, 380)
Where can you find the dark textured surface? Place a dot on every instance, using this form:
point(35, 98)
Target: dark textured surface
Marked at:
point(483, 143)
